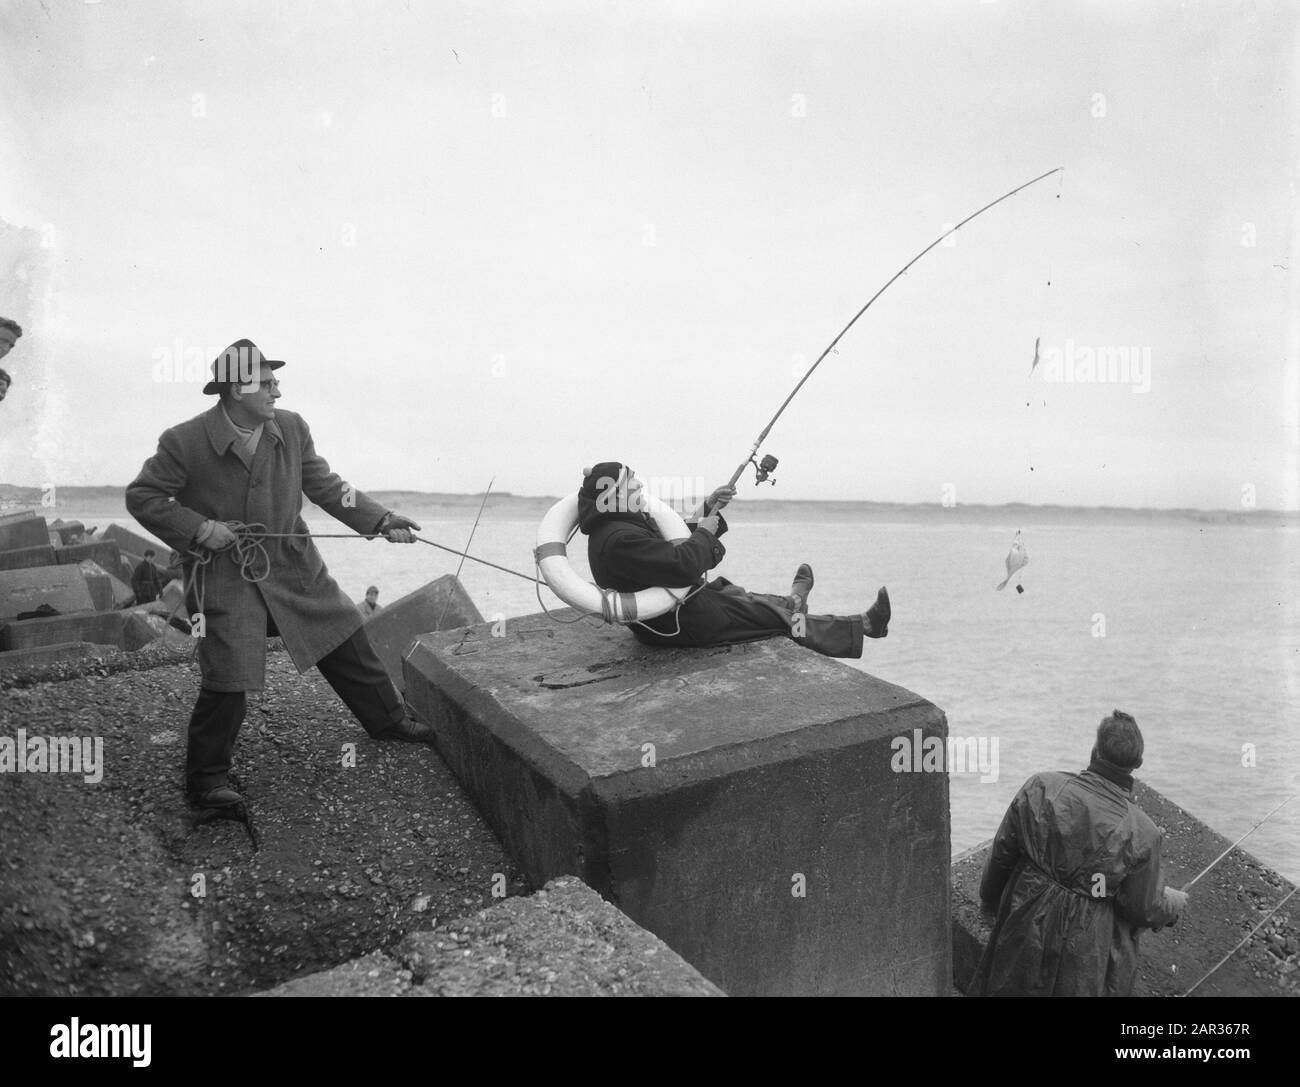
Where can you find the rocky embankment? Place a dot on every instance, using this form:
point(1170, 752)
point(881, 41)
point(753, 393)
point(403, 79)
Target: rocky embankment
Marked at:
point(108, 889)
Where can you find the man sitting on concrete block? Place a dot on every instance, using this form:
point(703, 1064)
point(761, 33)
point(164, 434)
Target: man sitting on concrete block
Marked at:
point(627, 553)
point(1074, 874)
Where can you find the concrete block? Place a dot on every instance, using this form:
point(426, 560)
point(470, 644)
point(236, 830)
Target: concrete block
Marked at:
point(1222, 908)
point(134, 543)
point(23, 531)
point(119, 593)
point(101, 592)
point(160, 628)
point(565, 940)
point(171, 603)
point(106, 554)
point(738, 801)
point(374, 974)
point(123, 629)
point(20, 660)
point(62, 587)
point(24, 558)
point(70, 532)
point(392, 630)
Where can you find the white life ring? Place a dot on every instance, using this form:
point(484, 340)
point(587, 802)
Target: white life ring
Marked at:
point(552, 558)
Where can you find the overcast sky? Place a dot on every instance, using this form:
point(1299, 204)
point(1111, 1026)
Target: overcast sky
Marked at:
point(511, 240)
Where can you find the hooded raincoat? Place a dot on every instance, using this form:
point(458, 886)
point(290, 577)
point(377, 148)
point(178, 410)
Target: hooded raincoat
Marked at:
point(201, 471)
point(1074, 874)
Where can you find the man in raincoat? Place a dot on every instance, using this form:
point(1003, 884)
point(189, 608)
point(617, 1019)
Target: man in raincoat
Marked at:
point(245, 460)
point(1074, 875)
point(626, 553)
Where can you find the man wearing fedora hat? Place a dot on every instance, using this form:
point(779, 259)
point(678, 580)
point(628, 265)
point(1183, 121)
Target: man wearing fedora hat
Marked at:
point(246, 460)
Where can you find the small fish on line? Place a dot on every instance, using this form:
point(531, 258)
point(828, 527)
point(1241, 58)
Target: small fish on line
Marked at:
point(1034, 365)
point(1017, 560)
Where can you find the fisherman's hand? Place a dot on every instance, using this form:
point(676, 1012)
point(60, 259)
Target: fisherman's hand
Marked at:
point(219, 538)
point(709, 523)
point(398, 528)
point(720, 497)
point(1176, 900)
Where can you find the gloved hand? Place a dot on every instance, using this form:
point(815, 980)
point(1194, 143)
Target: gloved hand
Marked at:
point(398, 528)
point(720, 497)
point(1176, 900)
point(219, 538)
point(709, 523)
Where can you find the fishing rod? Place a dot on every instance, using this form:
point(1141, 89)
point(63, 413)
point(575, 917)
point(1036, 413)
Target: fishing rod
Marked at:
point(767, 466)
point(1241, 839)
point(1244, 940)
point(460, 565)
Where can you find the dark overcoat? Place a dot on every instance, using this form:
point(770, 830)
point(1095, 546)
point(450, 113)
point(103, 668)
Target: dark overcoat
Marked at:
point(1074, 874)
point(202, 471)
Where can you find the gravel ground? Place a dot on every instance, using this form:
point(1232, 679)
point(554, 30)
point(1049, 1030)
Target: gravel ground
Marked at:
point(565, 940)
point(107, 889)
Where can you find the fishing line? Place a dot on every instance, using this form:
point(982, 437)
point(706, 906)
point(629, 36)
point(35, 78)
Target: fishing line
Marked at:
point(1244, 941)
point(460, 565)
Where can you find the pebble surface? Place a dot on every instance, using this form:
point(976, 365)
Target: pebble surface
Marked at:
point(107, 888)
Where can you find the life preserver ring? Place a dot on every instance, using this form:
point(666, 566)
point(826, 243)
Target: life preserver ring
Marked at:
point(552, 558)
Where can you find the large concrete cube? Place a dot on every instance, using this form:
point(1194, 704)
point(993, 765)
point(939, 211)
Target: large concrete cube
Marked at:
point(738, 802)
point(124, 629)
point(106, 554)
point(61, 587)
point(442, 604)
point(23, 529)
point(24, 558)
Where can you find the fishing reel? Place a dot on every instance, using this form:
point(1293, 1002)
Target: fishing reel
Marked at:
point(763, 469)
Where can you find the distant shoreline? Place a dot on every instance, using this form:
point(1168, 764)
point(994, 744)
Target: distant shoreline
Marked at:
point(110, 501)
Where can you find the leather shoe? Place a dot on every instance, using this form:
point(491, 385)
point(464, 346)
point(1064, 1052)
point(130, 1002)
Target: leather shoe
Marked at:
point(407, 730)
point(877, 616)
point(219, 796)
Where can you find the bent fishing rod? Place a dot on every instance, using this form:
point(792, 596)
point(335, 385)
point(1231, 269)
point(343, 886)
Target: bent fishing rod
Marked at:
point(767, 466)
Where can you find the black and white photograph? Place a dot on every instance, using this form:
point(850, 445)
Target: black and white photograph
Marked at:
point(683, 498)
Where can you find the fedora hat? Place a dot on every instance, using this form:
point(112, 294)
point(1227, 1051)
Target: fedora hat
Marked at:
point(238, 364)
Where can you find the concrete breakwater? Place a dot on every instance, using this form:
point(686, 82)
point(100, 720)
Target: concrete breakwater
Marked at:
point(761, 837)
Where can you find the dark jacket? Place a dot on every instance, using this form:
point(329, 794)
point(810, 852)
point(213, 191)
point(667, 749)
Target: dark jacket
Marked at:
point(146, 580)
point(202, 471)
point(627, 553)
point(1074, 874)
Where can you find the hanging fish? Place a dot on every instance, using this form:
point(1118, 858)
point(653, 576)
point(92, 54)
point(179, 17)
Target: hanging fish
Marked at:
point(1016, 560)
point(1034, 365)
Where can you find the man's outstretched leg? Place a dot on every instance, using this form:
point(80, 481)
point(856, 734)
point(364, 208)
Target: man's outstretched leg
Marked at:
point(355, 672)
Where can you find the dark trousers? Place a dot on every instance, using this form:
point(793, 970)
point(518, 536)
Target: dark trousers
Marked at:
point(353, 670)
point(723, 613)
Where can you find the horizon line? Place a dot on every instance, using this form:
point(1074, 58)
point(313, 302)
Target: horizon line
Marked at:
point(788, 501)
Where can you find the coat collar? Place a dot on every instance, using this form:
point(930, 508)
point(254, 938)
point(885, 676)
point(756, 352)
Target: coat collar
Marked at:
point(222, 435)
